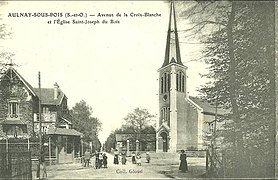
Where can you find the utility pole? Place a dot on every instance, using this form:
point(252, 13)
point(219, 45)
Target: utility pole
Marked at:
point(40, 124)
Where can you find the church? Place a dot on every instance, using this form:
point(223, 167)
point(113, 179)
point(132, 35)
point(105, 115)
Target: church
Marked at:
point(183, 121)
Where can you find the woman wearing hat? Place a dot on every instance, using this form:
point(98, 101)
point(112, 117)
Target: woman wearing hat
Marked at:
point(183, 165)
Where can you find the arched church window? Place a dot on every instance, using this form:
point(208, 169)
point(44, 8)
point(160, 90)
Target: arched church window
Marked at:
point(180, 81)
point(161, 117)
point(165, 84)
point(165, 114)
point(168, 116)
point(169, 82)
point(161, 84)
point(182, 86)
point(177, 82)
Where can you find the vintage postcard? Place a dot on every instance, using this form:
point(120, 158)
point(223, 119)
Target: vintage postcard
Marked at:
point(137, 89)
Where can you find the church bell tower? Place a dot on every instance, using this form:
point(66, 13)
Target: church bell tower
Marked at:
point(172, 90)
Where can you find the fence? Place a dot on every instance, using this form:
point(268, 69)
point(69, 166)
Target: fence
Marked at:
point(15, 165)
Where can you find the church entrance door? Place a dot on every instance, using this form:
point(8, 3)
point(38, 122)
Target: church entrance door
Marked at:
point(165, 141)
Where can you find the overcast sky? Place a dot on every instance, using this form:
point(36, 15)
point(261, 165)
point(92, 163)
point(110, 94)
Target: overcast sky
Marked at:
point(113, 67)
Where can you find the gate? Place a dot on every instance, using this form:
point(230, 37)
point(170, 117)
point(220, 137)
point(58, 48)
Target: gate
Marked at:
point(15, 165)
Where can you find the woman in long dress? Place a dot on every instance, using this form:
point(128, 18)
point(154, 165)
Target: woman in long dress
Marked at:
point(123, 158)
point(133, 158)
point(183, 165)
point(116, 157)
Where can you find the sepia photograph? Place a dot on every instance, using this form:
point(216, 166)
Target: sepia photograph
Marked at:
point(138, 89)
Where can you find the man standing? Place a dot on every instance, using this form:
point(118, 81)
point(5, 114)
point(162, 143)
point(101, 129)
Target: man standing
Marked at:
point(87, 157)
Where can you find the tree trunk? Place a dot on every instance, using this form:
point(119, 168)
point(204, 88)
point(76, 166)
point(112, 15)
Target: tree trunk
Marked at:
point(233, 94)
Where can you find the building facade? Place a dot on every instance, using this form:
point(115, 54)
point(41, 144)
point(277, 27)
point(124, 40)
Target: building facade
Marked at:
point(19, 116)
point(183, 121)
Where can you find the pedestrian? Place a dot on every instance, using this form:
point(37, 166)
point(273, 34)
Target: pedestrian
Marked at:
point(100, 160)
point(104, 160)
point(87, 157)
point(133, 158)
point(116, 157)
point(138, 159)
point(97, 160)
point(43, 165)
point(183, 164)
point(148, 158)
point(123, 158)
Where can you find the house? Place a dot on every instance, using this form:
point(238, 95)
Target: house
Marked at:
point(183, 121)
point(19, 116)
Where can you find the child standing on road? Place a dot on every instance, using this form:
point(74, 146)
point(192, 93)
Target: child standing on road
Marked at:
point(148, 158)
point(138, 159)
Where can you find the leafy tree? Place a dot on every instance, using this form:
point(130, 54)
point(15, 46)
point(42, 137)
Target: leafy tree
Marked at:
point(5, 57)
point(139, 119)
point(110, 142)
point(83, 121)
point(136, 122)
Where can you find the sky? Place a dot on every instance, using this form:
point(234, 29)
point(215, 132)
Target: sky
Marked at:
point(112, 66)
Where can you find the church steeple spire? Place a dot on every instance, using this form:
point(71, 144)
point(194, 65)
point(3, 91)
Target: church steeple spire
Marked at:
point(172, 52)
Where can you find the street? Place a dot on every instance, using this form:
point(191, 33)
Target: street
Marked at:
point(77, 171)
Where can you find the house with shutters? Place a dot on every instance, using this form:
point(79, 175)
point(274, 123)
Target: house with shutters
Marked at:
point(19, 116)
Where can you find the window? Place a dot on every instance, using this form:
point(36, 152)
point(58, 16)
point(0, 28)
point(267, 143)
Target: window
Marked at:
point(15, 131)
point(169, 82)
point(161, 84)
point(177, 82)
point(182, 86)
point(13, 109)
point(165, 85)
point(180, 79)
point(165, 115)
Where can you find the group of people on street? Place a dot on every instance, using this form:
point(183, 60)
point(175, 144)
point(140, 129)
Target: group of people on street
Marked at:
point(119, 157)
point(100, 159)
point(135, 158)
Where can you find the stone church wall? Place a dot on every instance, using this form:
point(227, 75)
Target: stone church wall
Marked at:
point(187, 126)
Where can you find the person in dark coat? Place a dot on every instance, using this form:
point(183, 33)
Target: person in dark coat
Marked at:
point(116, 157)
point(133, 158)
point(123, 158)
point(104, 160)
point(183, 165)
point(97, 160)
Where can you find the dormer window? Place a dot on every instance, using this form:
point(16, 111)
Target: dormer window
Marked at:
point(13, 109)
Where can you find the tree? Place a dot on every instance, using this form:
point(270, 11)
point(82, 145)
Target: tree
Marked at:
point(240, 52)
point(5, 57)
point(139, 119)
point(83, 121)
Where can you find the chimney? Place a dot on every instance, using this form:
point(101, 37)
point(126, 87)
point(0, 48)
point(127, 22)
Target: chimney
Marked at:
point(56, 89)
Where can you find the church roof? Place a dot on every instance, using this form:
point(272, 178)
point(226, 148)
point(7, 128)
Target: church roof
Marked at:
point(172, 52)
point(48, 96)
point(208, 108)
